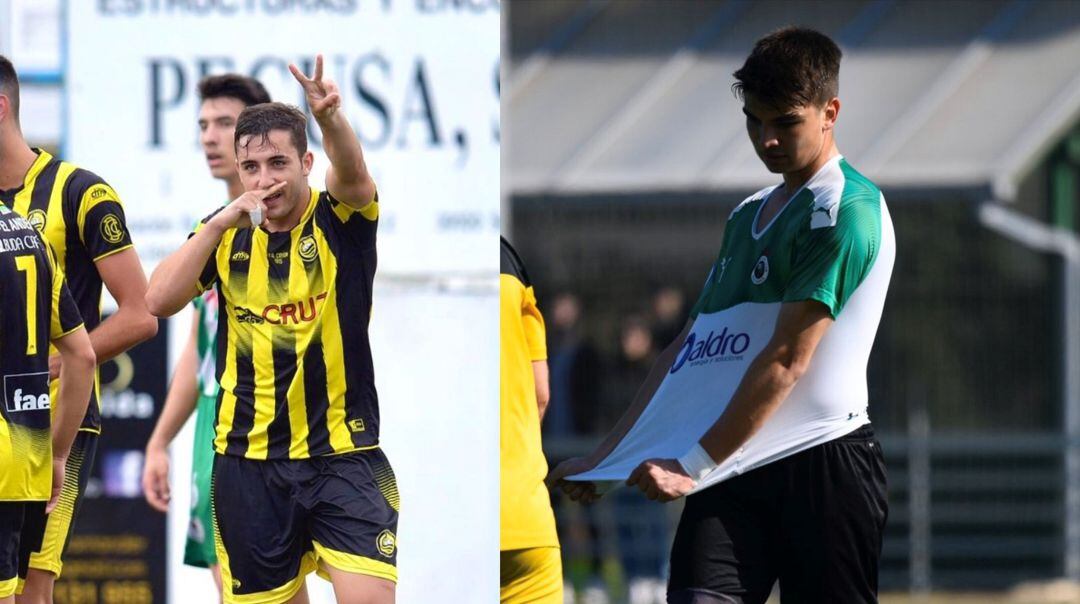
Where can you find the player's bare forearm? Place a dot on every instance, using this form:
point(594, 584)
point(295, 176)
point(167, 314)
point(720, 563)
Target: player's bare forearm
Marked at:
point(132, 323)
point(769, 379)
point(182, 396)
point(76, 379)
point(175, 281)
point(642, 398)
point(347, 179)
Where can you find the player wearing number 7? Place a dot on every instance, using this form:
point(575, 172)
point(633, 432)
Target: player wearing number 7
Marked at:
point(299, 482)
point(36, 309)
point(81, 218)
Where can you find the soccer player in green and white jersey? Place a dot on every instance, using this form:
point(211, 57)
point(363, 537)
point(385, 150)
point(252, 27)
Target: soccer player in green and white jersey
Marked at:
point(758, 410)
point(194, 385)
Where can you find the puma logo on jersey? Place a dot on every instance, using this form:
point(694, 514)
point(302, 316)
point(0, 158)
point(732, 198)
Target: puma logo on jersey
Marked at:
point(823, 216)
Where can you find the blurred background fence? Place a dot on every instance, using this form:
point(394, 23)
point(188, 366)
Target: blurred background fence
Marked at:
point(624, 154)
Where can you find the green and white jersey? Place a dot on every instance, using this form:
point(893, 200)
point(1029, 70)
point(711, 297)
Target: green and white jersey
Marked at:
point(206, 308)
point(832, 242)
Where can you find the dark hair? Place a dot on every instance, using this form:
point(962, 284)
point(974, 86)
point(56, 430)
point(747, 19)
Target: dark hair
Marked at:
point(9, 85)
point(248, 91)
point(791, 67)
point(259, 120)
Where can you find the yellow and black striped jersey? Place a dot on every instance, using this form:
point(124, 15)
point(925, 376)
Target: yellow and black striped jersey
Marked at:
point(35, 309)
point(294, 360)
point(81, 218)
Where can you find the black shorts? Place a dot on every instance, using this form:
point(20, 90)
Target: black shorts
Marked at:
point(276, 521)
point(813, 521)
point(11, 521)
point(45, 536)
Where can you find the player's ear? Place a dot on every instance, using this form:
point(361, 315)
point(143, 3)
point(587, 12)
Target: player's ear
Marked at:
point(832, 111)
point(5, 107)
point(307, 161)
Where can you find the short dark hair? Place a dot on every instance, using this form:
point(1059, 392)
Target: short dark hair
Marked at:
point(248, 91)
point(9, 85)
point(791, 67)
point(259, 120)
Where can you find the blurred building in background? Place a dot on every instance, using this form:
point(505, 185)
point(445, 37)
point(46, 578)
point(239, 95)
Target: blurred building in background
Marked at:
point(626, 151)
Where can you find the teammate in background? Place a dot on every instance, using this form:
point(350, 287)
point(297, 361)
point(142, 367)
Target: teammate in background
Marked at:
point(796, 480)
point(530, 565)
point(194, 387)
point(36, 309)
point(299, 481)
point(81, 218)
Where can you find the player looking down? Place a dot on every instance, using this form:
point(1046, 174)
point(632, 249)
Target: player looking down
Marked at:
point(758, 410)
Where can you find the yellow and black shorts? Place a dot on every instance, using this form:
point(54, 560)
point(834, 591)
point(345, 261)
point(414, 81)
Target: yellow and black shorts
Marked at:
point(45, 536)
point(275, 521)
point(11, 521)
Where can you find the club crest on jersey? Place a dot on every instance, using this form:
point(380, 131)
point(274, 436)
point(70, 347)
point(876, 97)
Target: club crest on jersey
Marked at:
point(761, 271)
point(111, 229)
point(386, 542)
point(308, 249)
point(36, 218)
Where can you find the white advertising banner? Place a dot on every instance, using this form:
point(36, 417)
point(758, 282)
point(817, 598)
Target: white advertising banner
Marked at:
point(419, 80)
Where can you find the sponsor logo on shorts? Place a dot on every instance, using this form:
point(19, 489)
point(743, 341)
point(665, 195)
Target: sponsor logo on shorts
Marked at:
point(111, 229)
point(761, 271)
point(386, 543)
point(26, 392)
point(356, 425)
point(308, 249)
point(712, 348)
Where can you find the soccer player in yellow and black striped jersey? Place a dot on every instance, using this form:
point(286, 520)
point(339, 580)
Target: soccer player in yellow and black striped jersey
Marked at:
point(529, 556)
point(81, 218)
point(36, 309)
point(299, 481)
